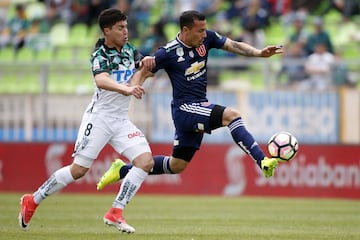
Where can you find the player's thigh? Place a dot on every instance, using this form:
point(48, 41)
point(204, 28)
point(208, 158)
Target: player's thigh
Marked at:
point(93, 135)
point(192, 117)
point(129, 141)
point(203, 117)
point(184, 140)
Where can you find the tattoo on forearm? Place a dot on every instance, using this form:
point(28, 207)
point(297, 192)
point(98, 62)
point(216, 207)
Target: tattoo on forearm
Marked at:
point(243, 49)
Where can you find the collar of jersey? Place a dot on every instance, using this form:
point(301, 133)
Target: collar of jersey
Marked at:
point(181, 42)
point(102, 41)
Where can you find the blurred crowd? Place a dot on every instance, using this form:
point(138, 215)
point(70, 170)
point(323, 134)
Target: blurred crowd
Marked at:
point(310, 61)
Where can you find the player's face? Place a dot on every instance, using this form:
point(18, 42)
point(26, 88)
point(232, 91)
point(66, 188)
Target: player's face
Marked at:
point(117, 35)
point(195, 36)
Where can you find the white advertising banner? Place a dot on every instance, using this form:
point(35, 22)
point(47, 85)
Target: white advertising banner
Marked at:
point(313, 117)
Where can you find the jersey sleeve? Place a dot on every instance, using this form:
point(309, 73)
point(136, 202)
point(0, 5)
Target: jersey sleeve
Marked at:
point(216, 40)
point(137, 55)
point(99, 64)
point(160, 59)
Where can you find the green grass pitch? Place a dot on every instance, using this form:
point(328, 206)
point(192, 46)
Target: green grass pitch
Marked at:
point(164, 217)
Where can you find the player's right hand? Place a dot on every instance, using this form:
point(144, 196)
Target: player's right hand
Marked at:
point(148, 63)
point(136, 90)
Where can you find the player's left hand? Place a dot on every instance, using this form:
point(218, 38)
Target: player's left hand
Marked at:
point(271, 50)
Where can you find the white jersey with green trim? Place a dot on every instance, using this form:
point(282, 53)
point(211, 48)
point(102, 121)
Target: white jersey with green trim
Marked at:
point(121, 65)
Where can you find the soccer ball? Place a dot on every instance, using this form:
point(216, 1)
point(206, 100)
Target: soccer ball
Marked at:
point(283, 145)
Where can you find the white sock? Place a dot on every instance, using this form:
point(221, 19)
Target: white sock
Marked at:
point(55, 183)
point(129, 186)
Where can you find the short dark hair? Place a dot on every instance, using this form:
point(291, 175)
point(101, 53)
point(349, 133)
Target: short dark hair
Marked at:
point(109, 17)
point(19, 7)
point(188, 18)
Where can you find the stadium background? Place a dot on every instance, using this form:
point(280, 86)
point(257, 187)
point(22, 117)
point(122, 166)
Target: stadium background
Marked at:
point(46, 85)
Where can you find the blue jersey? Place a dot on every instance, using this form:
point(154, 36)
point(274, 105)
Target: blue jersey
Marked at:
point(186, 67)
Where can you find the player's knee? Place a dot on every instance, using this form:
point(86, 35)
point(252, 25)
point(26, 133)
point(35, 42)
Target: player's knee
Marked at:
point(80, 166)
point(78, 171)
point(144, 161)
point(183, 154)
point(177, 165)
point(180, 158)
point(229, 115)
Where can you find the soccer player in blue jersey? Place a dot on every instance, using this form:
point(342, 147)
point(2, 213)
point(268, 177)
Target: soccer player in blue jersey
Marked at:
point(185, 61)
point(105, 121)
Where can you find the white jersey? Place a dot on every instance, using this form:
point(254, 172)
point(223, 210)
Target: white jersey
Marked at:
point(121, 67)
point(105, 120)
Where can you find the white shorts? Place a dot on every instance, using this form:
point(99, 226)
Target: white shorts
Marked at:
point(96, 131)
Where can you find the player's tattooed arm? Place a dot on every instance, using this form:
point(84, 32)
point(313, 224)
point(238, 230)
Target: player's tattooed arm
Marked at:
point(245, 49)
point(241, 48)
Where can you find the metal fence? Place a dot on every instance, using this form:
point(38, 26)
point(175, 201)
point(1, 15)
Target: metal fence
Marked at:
point(45, 102)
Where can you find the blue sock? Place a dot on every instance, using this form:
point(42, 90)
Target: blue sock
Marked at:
point(124, 170)
point(245, 140)
point(161, 166)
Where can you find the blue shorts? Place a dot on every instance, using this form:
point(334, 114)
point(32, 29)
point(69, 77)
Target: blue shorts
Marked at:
point(192, 120)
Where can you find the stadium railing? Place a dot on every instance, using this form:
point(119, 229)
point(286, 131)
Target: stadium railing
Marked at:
point(42, 101)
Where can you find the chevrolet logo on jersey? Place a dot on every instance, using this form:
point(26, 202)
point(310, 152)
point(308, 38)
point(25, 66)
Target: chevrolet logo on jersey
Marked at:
point(195, 68)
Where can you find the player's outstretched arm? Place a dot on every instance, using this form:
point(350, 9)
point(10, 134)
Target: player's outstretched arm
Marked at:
point(140, 76)
point(104, 81)
point(245, 49)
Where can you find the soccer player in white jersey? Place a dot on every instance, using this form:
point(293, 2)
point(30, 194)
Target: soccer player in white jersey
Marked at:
point(185, 61)
point(105, 121)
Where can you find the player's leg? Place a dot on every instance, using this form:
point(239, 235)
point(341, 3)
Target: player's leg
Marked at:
point(119, 169)
point(162, 164)
point(243, 138)
point(138, 151)
point(192, 122)
point(57, 181)
point(89, 144)
point(174, 164)
point(129, 187)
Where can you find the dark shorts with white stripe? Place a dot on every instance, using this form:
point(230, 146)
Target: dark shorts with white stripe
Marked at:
point(191, 121)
